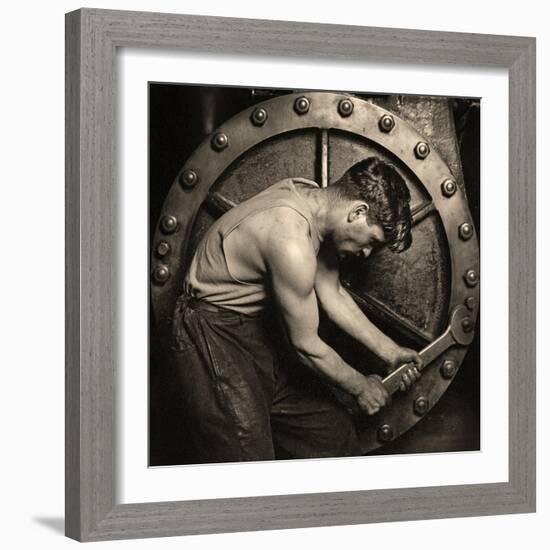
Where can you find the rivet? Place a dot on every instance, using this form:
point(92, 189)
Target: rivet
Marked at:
point(420, 405)
point(188, 178)
point(220, 141)
point(448, 187)
point(386, 123)
point(259, 116)
point(345, 107)
point(466, 231)
point(169, 224)
point(448, 369)
point(471, 278)
point(422, 150)
point(467, 325)
point(163, 248)
point(161, 273)
point(470, 303)
point(385, 433)
point(301, 105)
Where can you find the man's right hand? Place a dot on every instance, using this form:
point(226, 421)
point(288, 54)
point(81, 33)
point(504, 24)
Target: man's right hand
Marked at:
point(372, 394)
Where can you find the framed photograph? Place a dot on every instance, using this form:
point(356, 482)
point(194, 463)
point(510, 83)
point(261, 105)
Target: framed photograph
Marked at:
point(300, 265)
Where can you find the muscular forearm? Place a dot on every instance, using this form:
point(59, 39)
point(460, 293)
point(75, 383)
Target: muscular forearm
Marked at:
point(326, 363)
point(344, 312)
point(368, 391)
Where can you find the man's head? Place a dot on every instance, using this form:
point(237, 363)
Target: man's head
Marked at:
point(373, 207)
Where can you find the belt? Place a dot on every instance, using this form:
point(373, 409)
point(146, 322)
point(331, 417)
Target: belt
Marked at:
point(196, 303)
point(186, 300)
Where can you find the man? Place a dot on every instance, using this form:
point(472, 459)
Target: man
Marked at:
point(250, 389)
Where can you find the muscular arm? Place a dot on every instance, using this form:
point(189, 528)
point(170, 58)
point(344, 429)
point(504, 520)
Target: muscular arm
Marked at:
point(342, 309)
point(344, 312)
point(292, 266)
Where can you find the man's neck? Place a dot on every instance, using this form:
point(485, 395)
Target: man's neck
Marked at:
point(319, 202)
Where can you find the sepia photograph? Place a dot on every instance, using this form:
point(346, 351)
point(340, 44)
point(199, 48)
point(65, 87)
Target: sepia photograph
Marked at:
point(314, 274)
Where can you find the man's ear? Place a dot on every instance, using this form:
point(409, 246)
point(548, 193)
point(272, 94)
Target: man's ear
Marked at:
point(359, 209)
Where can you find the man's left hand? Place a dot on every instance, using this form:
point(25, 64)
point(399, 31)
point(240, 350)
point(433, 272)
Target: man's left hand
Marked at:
point(399, 356)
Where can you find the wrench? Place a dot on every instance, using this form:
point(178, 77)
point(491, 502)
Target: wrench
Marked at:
point(459, 332)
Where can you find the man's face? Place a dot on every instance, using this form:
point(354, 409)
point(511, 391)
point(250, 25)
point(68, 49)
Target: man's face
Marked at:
point(355, 236)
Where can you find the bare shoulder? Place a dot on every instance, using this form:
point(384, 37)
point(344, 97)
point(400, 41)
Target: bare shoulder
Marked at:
point(287, 232)
point(287, 247)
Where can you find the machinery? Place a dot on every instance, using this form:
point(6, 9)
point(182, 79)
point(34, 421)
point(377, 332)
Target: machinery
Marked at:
point(426, 297)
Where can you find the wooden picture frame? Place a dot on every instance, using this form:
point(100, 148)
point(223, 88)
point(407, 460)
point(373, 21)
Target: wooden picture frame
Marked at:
point(92, 38)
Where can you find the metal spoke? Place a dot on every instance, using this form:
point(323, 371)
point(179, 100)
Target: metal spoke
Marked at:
point(382, 313)
point(421, 211)
point(218, 203)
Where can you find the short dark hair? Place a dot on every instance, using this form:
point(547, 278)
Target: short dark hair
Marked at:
point(380, 185)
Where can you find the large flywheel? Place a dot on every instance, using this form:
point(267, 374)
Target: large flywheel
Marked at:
point(426, 297)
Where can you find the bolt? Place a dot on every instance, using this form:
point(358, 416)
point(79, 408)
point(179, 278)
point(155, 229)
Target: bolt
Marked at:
point(301, 105)
point(385, 433)
point(448, 369)
point(470, 303)
point(188, 178)
point(448, 187)
point(386, 123)
point(220, 141)
point(163, 248)
point(465, 231)
point(345, 107)
point(471, 278)
point(259, 116)
point(169, 224)
point(420, 405)
point(161, 273)
point(422, 150)
point(467, 325)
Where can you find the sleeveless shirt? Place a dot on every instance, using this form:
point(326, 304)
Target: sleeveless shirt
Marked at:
point(209, 277)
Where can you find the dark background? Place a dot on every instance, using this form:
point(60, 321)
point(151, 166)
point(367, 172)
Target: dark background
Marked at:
point(180, 118)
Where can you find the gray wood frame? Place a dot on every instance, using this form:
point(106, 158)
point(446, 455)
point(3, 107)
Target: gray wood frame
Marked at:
point(92, 37)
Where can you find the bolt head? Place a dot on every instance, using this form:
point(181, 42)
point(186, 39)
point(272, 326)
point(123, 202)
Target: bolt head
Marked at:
point(161, 273)
point(420, 405)
point(259, 116)
point(467, 325)
point(448, 187)
point(169, 224)
point(220, 141)
point(188, 178)
point(471, 278)
point(301, 105)
point(470, 303)
point(448, 369)
point(386, 123)
point(422, 150)
point(345, 107)
point(385, 433)
point(466, 231)
point(163, 248)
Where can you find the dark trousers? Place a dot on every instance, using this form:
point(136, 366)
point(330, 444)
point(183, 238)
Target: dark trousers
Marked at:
point(244, 395)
